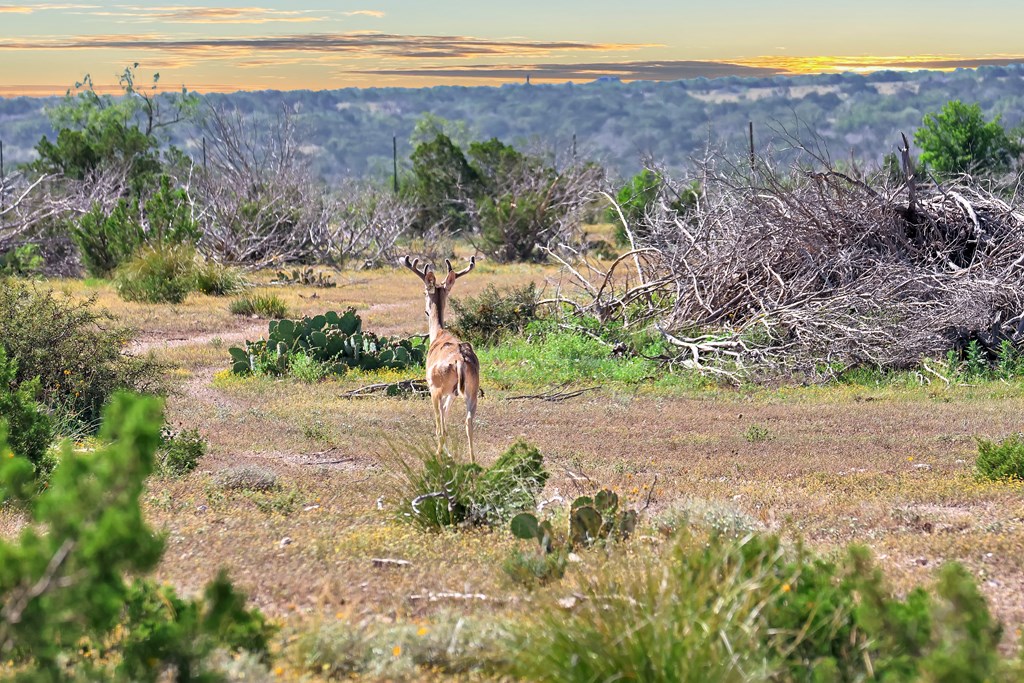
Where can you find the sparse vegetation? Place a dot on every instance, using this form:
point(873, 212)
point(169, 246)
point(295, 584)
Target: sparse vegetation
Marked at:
point(247, 478)
point(260, 305)
point(180, 451)
point(765, 307)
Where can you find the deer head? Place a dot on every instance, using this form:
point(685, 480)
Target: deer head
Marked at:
point(436, 293)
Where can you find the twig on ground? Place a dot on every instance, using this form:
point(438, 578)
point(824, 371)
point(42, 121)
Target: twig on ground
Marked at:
point(556, 394)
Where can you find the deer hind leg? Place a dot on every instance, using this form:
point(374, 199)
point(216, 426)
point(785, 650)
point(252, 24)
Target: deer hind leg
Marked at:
point(444, 403)
point(435, 400)
point(470, 413)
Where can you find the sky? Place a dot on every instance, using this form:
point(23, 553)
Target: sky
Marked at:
point(46, 47)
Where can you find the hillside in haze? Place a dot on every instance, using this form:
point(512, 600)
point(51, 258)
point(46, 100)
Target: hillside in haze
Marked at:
point(349, 132)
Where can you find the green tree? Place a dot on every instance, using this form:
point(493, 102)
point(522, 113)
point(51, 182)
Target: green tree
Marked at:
point(63, 583)
point(442, 182)
point(959, 140)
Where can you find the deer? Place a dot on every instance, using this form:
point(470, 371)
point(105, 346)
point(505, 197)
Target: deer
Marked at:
point(452, 366)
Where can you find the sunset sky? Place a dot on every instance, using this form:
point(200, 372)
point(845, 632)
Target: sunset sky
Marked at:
point(46, 46)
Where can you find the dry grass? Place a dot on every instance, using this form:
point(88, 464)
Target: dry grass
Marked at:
point(888, 467)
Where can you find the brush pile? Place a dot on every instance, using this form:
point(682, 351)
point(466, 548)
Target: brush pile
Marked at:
point(816, 272)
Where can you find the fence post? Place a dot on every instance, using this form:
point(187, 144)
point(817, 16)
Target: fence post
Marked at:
point(204, 154)
point(752, 158)
point(394, 161)
point(3, 185)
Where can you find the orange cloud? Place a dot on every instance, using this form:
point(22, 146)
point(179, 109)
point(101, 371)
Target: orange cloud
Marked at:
point(209, 15)
point(869, 63)
point(361, 44)
point(662, 70)
point(32, 9)
point(365, 13)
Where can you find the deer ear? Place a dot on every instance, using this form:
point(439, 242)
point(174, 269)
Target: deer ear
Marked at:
point(450, 280)
point(429, 278)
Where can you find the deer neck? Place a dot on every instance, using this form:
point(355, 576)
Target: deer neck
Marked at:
point(435, 308)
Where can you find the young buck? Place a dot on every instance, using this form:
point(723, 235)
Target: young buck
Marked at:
point(452, 367)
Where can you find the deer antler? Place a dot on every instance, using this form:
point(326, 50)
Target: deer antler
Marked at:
point(471, 266)
point(413, 265)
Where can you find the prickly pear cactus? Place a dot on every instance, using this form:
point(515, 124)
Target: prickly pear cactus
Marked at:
point(335, 339)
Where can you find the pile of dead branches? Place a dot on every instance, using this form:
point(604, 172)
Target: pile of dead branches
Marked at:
point(815, 271)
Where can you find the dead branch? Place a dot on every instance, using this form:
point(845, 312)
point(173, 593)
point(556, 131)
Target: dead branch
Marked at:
point(555, 395)
point(405, 387)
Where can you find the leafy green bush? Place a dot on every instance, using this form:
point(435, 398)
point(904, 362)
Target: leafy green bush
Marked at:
point(260, 305)
point(29, 430)
point(22, 261)
point(307, 369)
point(512, 225)
point(158, 274)
point(63, 582)
point(1002, 460)
point(180, 451)
point(108, 239)
point(77, 353)
point(959, 140)
point(633, 198)
point(437, 492)
point(493, 314)
point(746, 608)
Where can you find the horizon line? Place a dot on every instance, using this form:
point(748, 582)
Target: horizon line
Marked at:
point(483, 76)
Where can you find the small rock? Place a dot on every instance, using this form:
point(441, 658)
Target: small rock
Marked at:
point(311, 507)
point(287, 540)
point(922, 561)
point(567, 603)
point(573, 557)
point(201, 508)
point(922, 466)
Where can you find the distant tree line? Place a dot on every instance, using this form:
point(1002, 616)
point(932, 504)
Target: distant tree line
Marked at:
point(348, 133)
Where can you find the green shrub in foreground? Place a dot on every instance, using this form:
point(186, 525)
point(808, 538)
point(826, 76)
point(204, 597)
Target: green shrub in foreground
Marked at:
point(79, 368)
point(63, 582)
point(719, 608)
point(436, 491)
point(29, 429)
point(1002, 460)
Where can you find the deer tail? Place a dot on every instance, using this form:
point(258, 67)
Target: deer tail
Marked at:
point(460, 366)
point(466, 356)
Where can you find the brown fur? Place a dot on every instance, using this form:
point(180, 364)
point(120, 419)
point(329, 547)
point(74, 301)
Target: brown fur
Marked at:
point(453, 368)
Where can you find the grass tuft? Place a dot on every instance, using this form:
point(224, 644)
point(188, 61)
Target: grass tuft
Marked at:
point(258, 304)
